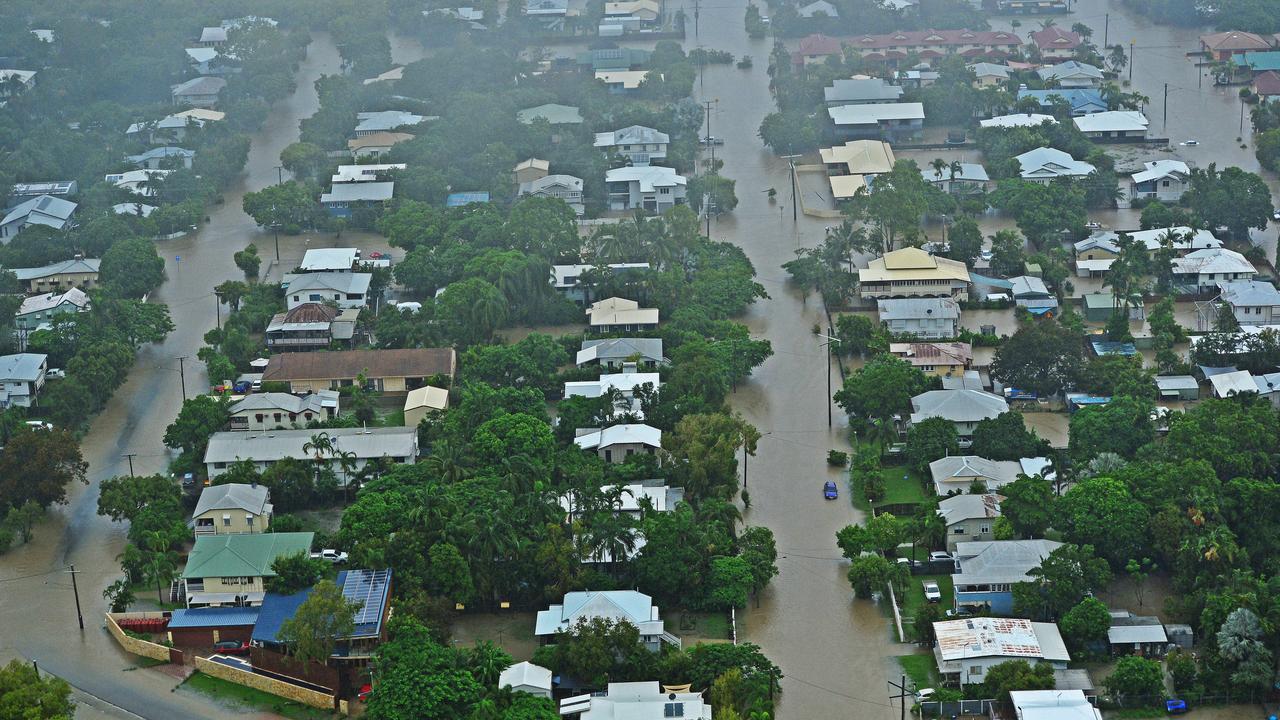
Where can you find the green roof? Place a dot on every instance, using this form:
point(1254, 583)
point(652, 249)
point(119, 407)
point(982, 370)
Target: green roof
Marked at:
point(248, 555)
point(1258, 61)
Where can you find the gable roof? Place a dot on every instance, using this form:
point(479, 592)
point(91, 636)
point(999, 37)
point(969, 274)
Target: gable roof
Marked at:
point(957, 405)
point(632, 135)
point(918, 308)
point(248, 555)
point(1249, 293)
point(619, 349)
point(359, 192)
point(286, 402)
point(1212, 261)
point(525, 674)
point(385, 120)
point(65, 267)
point(1055, 38)
point(342, 364)
point(994, 473)
point(968, 171)
point(1070, 69)
point(1051, 162)
point(48, 301)
point(427, 396)
point(1234, 40)
point(1018, 120)
point(969, 507)
point(875, 113)
point(21, 367)
point(234, 496)
point(552, 113)
point(627, 434)
point(1112, 121)
point(856, 90)
point(649, 176)
point(344, 282)
point(204, 85)
point(42, 210)
point(860, 157)
point(628, 605)
point(999, 637)
point(1267, 83)
point(1000, 561)
point(1080, 99)
point(1157, 169)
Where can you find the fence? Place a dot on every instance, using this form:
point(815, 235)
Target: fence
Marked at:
point(280, 688)
point(145, 648)
point(957, 708)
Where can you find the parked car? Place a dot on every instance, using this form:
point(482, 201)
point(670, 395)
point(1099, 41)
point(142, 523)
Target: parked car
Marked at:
point(931, 592)
point(829, 490)
point(924, 694)
point(333, 556)
point(712, 140)
point(365, 691)
point(940, 556)
point(232, 647)
point(242, 387)
point(1175, 706)
point(38, 425)
point(55, 374)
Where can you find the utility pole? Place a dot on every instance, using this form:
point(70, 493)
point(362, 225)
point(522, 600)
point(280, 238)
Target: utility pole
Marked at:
point(792, 165)
point(903, 694)
point(279, 174)
point(130, 456)
point(1106, 31)
point(1165, 121)
point(1130, 62)
point(830, 341)
point(217, 306)
point(696, 8)
point(76, 590)
point(1242, 116)
point(183, 375)
point(708, 104)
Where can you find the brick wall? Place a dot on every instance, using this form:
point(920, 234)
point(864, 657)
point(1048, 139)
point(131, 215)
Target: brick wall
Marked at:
point(136, 646)
point(265, 684)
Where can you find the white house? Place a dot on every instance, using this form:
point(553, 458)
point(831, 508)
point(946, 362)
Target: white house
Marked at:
point(343, 198)
point(619, 314)
point(651, 187)
point(329, 260)
point(958, 473)
point(212, 36)
point(640, 145)
point(969, 517)
point(527, 678)
point(1044, 165)
point(11, 79)
point(893, 122)
point(1071, 74)
point(37, 310)
point(636, 701)
point(21, 379)
point(1018, 120)
point(160, 158)
point(198, 92)
point(567, 279)
point(964, 408)
point(1061, 704)
point(1252, 302)
point(1163, 180)
point(263, 411)
point(397, 445)
point(1202, 270)
point(618, 605)
point(345, 289)
point(969, 178)
point(138, 182)
point(44, 210)
point(564, 187)
point(364, 173)
point(926, 318)
point(617, 352)
point(967, 648)
point(625, 383)
point(1113, 125)
point(818, 8)
point(1184, 239)
point(617, 443)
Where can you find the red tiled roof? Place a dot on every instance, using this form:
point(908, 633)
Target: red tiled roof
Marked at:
point(819, 44)
point(1055, 37)
point(934, 38)
point(1267, 83)
point(1234, 40)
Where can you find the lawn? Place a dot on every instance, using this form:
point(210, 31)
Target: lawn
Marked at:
point(902, 485)
point(913, 599)
point(252, 698)
point(919, 669)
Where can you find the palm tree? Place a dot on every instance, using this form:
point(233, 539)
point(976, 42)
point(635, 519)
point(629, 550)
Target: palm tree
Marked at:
point(956, 169)
point(161, 563)
point(488, 314)
point(347, 462)
point(449, 460)
point(1047, 23)
point(318, 446)
point(725, 513)
point(487, 662)
point(1116, 57)
point(938, 165)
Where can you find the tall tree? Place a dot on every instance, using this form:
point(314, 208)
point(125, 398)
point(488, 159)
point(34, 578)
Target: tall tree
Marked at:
point(319, 623)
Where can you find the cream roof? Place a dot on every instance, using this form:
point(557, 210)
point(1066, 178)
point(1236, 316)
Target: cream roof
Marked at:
point(846, 186)
point(630, 79)
point(863, 157)
point(913, 264)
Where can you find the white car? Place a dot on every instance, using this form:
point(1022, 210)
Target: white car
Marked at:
point(924, 695)
point(941, 556)
point(931, 592)
point(332, 556)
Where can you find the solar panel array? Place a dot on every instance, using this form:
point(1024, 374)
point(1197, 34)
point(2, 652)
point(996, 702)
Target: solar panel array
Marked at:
point(368, 587)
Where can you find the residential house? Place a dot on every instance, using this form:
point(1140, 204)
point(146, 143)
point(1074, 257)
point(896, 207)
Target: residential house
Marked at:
point(1163, 180)
point(551, 13)
point(329, 260)
point(987, 571)
point(526, 677)
point(619, 314)
point(473, 17)
point(1131, 634)
point(423, 401)
point(646, 12)
point(174, 128)
point(969, 179)
point(1238, 382)
point(552, 113)
point(1071, 74)
point(38, 310)
point(1031, 293)
point(631, 500)
point(262, 411)
point(913, 273)
point(344, 289)
point(343, 199)
point(617, 605)
point(1184, 239)
point(1059, 704)
point(816, 49)
point(818, 9)
point(615, 58)
point(198, 92)
point(1113, 126)
point(138, 182)
point(203, 627)
point(862, 91)
point(232, 509)
point(370, 172)
point(387, 371)
point(652, 187)
point(894, 122)
point(310, 326)
point(213, 37)
point(1252, 302)
point(23, 192)
point(622, 82)
point(465, 198)
point(932, 45)
point(530, 170)
point(562, 187)
point(14, 81)
point(963, 408)
point(1017, 120)
point(1222, 45)
point(965, 649)
point(44, 210)
point(925, 318)
point(1055, 43)
point(638, 144)
point(208, 61)
point(617, 443)
point(1044, 165)
point(941, 359)
point(1200, 271)
point(44, 35)
point(1266, 85)
point(1177, 387)
point(624, 384)
point(989, 74)
point(136, 209)
point(60, 276)
point(617, 352)
point(958, 473)
point(397, 72)
point(226, 570)
point(916, 78)
point(21, 379)
point(567, 279)
point(353, 448)
point(855, 165)
point(1081, 101)
point(166, 157)
point(380, 121)
point(1258, 62)
point(376, 144)
point(637, 701)
point(969, 518)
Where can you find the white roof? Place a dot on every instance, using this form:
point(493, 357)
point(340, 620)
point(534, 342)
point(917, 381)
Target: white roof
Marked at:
point(957, 405)
point(619, 349)
point(1070, 69)
point(525, 674)
point(427, 396)
point(48, 301)
point(632, 135)
point(982, 637)
point(1119, 634)
point(969, 507)
point(1187, 239)
point(560, 274)
point(1212, 261)
point(363, 173)
point(140, 209)
point(986, 69)
point(627, 605)
point(359, 192)
point(1238, 293)
point(319, 259)
point(1231, 383)
point(202, 54)
point(635, 701)
point(1000, 561)
point(1018, 120)
point(872, 114)
point(343, 282)
point(1176, 382)
point(273, 445)
point(548, 182)
point(856, 90)
point(77, 265)
point(286, 402)
point(620, 311)
point(993, 473)
point(1050, 162)
point(213, 34)
point(22, 367)
point(629, 79)
point(649, 177)
point(1112, 121)
point(1158, 169)
point(203, 85)
point(630, 434)
point(234, 496)
point(1024, 285)
point(917, 308)
point(1053, 705)
point(384, 120)
point(968, 171)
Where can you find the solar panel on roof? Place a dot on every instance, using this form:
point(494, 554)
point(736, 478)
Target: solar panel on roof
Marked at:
point(368, 587)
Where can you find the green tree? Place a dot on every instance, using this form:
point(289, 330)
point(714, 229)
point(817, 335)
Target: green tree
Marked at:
point(1042, 357)
point(1121, 427)
point(420, 679)
point(1017, 675)
point(1008, 253)
point(37, 465)
point(1242, 642)
point(131, 268)
point(882, 388)
point(197, 421)
point(713, 190)
point(1086, 624)
point(596, 649)
point(1138, 678)
point(1062, 580)
point(122, 498)
point(929, 440)
point(789, 132)
point(27, 695)
point(248, 261)
point(1043, 212)
point(305, 160)
point(288, 205)
point(1232, 198)
point(868, 574)
point(1100, 511)
point(731, 581)
point(1006, 437)
point(320, 621)
point(893, 212)
point(471, 309)
point(1028, 505)
point(294, 573)
point(965, 239)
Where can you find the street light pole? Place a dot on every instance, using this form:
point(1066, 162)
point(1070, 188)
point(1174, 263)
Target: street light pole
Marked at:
point(791, 164)
point(827, 345)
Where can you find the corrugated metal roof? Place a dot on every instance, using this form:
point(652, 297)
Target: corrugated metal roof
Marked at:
point(211, 617)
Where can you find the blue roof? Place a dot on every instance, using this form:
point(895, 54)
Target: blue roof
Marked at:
point(459, 199)
point(274, 611)
point(1077, 97)
point(990, 281)
point(1106, 347)
point(211, 617)
point(1258, 61)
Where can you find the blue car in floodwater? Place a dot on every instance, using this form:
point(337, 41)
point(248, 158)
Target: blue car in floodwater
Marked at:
point(829, 490)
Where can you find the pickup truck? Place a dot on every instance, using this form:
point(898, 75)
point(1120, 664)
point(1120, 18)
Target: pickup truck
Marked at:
point(332, 556)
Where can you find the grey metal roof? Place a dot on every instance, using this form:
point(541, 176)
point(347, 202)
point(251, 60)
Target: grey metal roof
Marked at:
point(1176, 382)
point(1028, 285)
point(957, 405)
point(632, 135)
point(286, 402)
point(22, 367)
point(161, 152)
point(279, 444)
point(1000, 561)
point(552, 113)
point(384, 120)
point(203, 85)
point(995, 472)
point(49, 210)
point(918, 308)
point(620, 349)
point(968, 507)
point(359, 192)
point(345, 282)
point(78, 265)
point(861, 90)
point(234, 496)
point(1250, 293)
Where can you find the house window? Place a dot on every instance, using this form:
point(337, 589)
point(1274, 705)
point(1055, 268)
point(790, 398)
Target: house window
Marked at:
point(315, 297)
point(226, 521)
point(673, 710)
point(984, 529)
point(975, 669)
point(664, 191)
point(958, 531)
point(219, 465)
